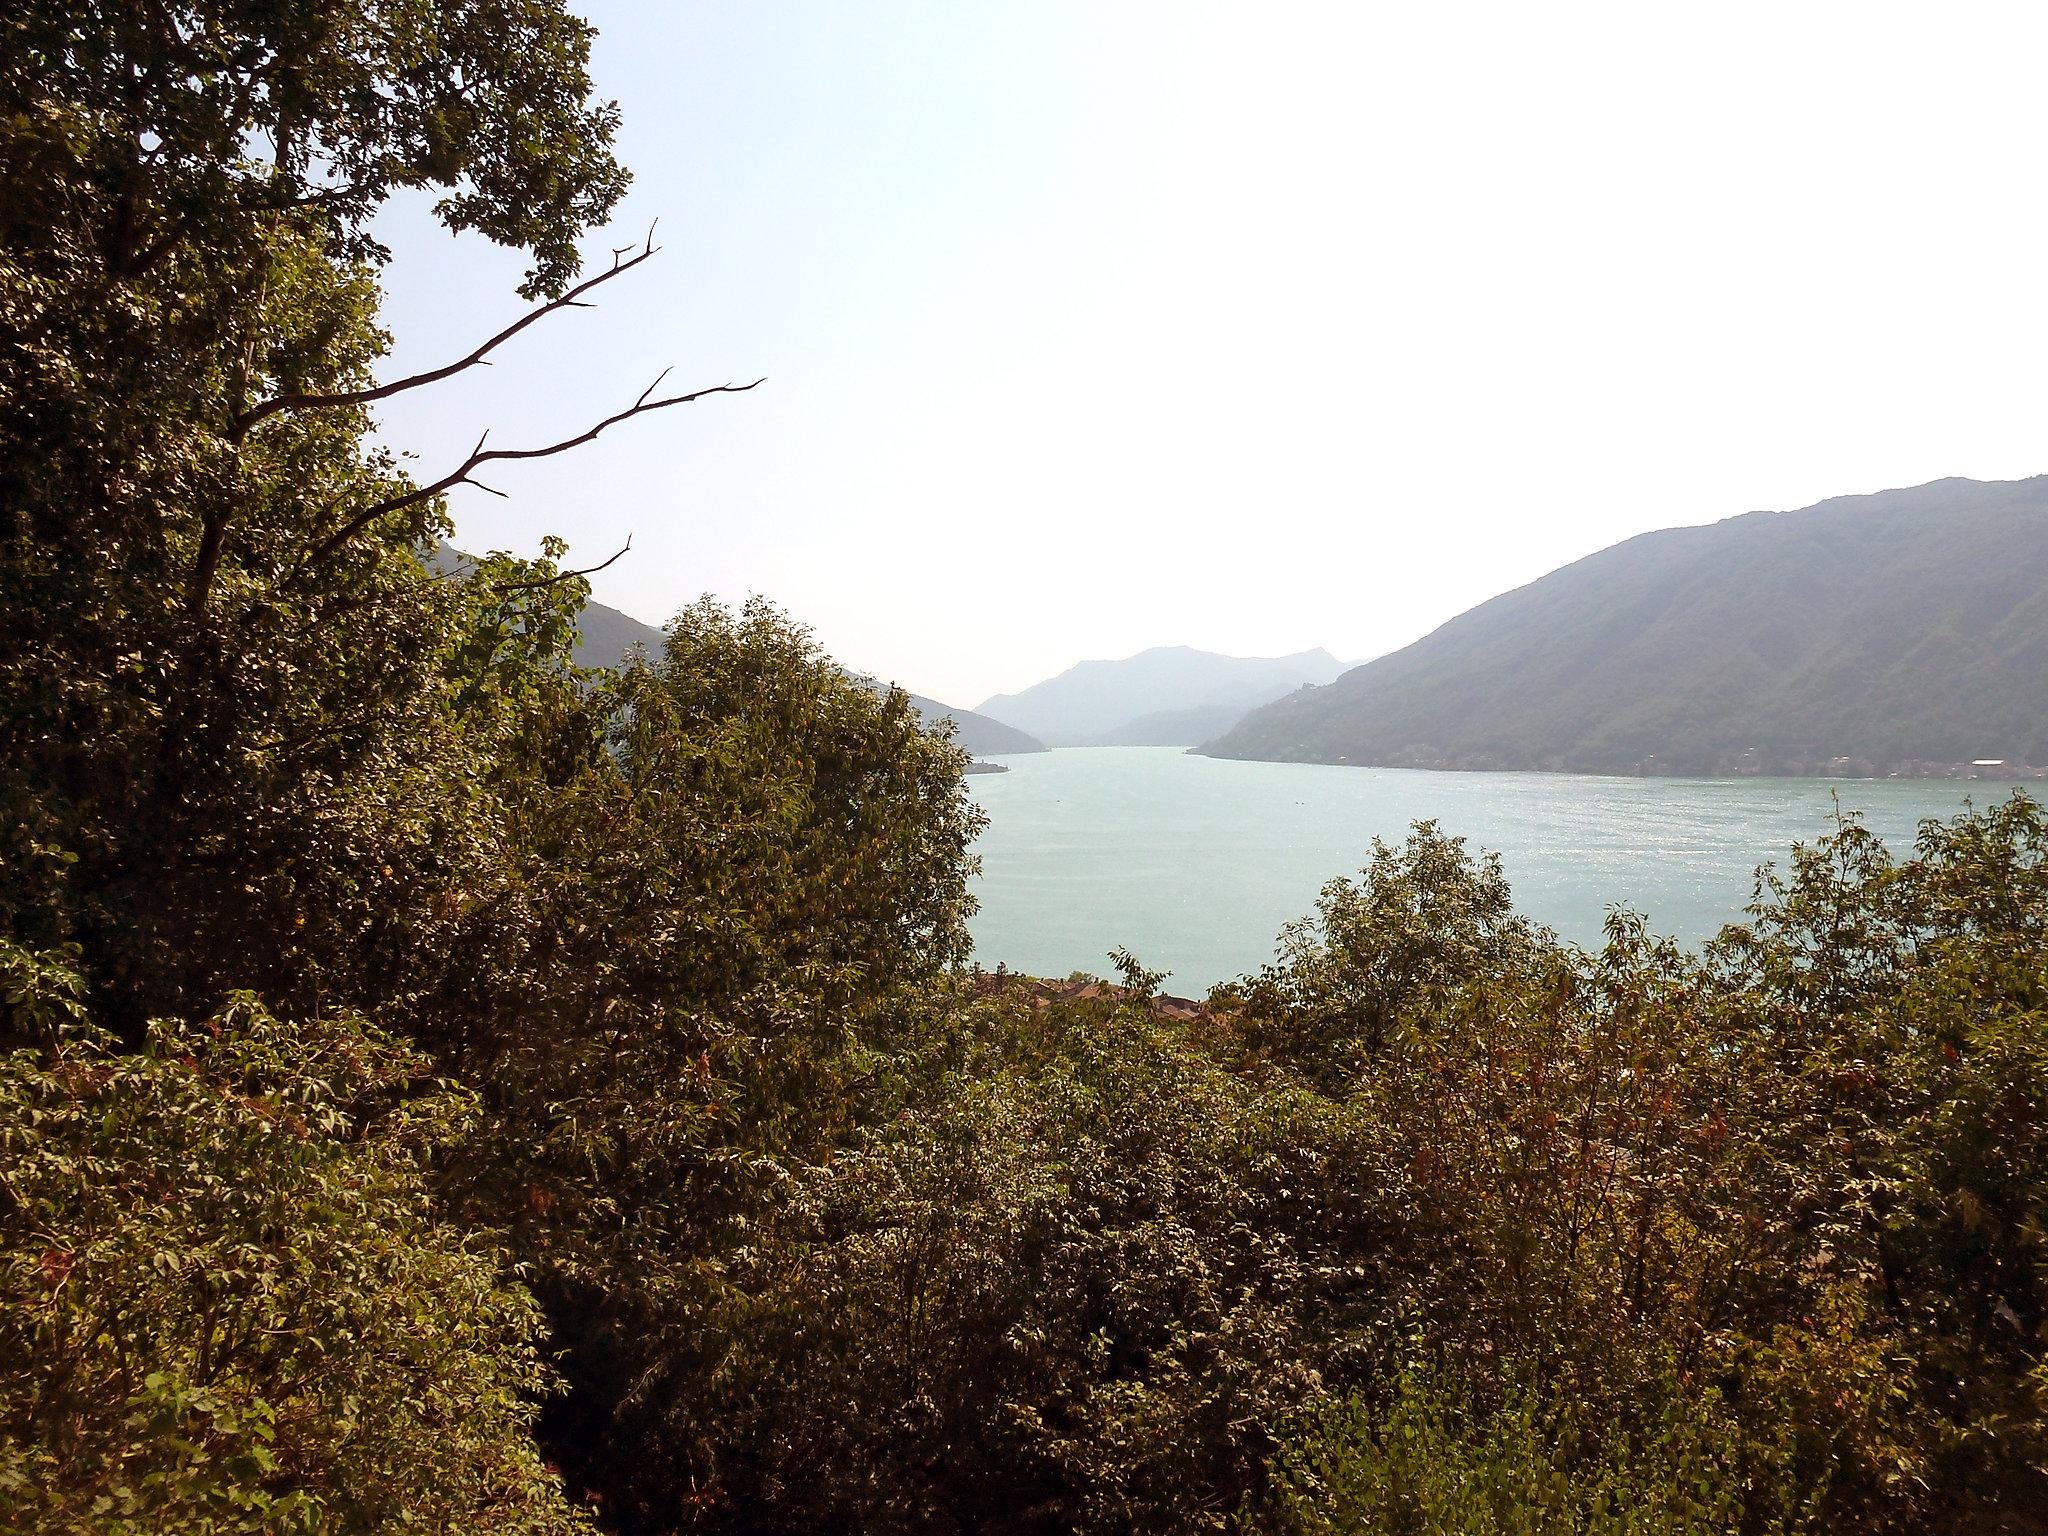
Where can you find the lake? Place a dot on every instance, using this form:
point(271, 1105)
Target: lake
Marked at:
point(1195, 864)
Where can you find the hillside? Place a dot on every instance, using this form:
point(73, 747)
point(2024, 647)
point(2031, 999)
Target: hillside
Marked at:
point(1174, 727)
point(976, 732)
point(1170, 695)
point(1892, 633)
point(606, 636)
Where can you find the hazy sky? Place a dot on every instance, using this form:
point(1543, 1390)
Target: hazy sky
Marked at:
point(1255, 327)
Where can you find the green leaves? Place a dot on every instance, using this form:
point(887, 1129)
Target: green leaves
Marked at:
point(718, 888)
point(227, 1302)
point(1805, 1167)
point(1424, 1463)
point(194, 130)
point(1051, 1281)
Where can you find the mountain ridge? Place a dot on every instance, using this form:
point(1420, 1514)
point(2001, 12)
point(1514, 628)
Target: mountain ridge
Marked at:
point(1899, 631)
point(1165, 695)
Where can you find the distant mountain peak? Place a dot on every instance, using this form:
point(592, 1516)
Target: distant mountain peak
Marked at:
point(1166, 695)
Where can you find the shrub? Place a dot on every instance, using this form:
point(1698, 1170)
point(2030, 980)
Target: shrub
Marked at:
point(226, 1304)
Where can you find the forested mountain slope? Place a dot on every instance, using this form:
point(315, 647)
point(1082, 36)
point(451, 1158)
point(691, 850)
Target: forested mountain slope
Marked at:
point(1896, 632)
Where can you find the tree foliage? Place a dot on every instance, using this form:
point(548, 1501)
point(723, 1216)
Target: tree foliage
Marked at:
point(727, 877)
point(1426, 1464)
point(226, 1301)
point(216, 663)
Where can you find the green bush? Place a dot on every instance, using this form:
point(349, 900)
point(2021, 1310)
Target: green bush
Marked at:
point(226, 1302)
point(1050, 1287)
point(1429, 1464)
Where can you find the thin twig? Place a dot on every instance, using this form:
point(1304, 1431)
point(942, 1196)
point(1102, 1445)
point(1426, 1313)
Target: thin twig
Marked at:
point(561, 576)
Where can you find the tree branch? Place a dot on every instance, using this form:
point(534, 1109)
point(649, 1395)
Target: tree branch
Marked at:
point(480, 456)
point(561, 576)
point(213, 534)
point(238, 428)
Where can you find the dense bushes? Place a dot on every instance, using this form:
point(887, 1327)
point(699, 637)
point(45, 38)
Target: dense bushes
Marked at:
point(1765, 1221)
point(712, 913)
point(1630, 1240)
point(1804, 1169)
point(1426, 1463)
point(1048, 1287)
point(226, 1302)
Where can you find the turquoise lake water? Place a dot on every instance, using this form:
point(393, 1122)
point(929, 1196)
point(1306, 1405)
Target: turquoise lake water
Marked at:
point(1195, 864)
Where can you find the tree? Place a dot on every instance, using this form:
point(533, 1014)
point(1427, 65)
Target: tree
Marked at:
point(726, 882)
point(223, 671)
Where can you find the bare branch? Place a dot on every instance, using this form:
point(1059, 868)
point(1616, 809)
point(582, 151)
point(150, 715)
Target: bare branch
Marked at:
point(480, 456)
point(239, 427)
point(561, 576)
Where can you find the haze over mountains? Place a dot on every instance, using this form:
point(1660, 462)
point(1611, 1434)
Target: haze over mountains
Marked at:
point(1894, 633)
point(1169, 696)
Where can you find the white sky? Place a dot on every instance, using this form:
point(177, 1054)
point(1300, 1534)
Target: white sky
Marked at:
point(1089, 327)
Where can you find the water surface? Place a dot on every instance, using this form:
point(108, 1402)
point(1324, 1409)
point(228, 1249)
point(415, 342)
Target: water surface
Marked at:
point(1195, 864)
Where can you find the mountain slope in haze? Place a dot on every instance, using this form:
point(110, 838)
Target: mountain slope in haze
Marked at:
point(1899, 632)
point(608, 636)
point(605, 636)
point(976, 732)
point(1170, 691)
point(1174, 727)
